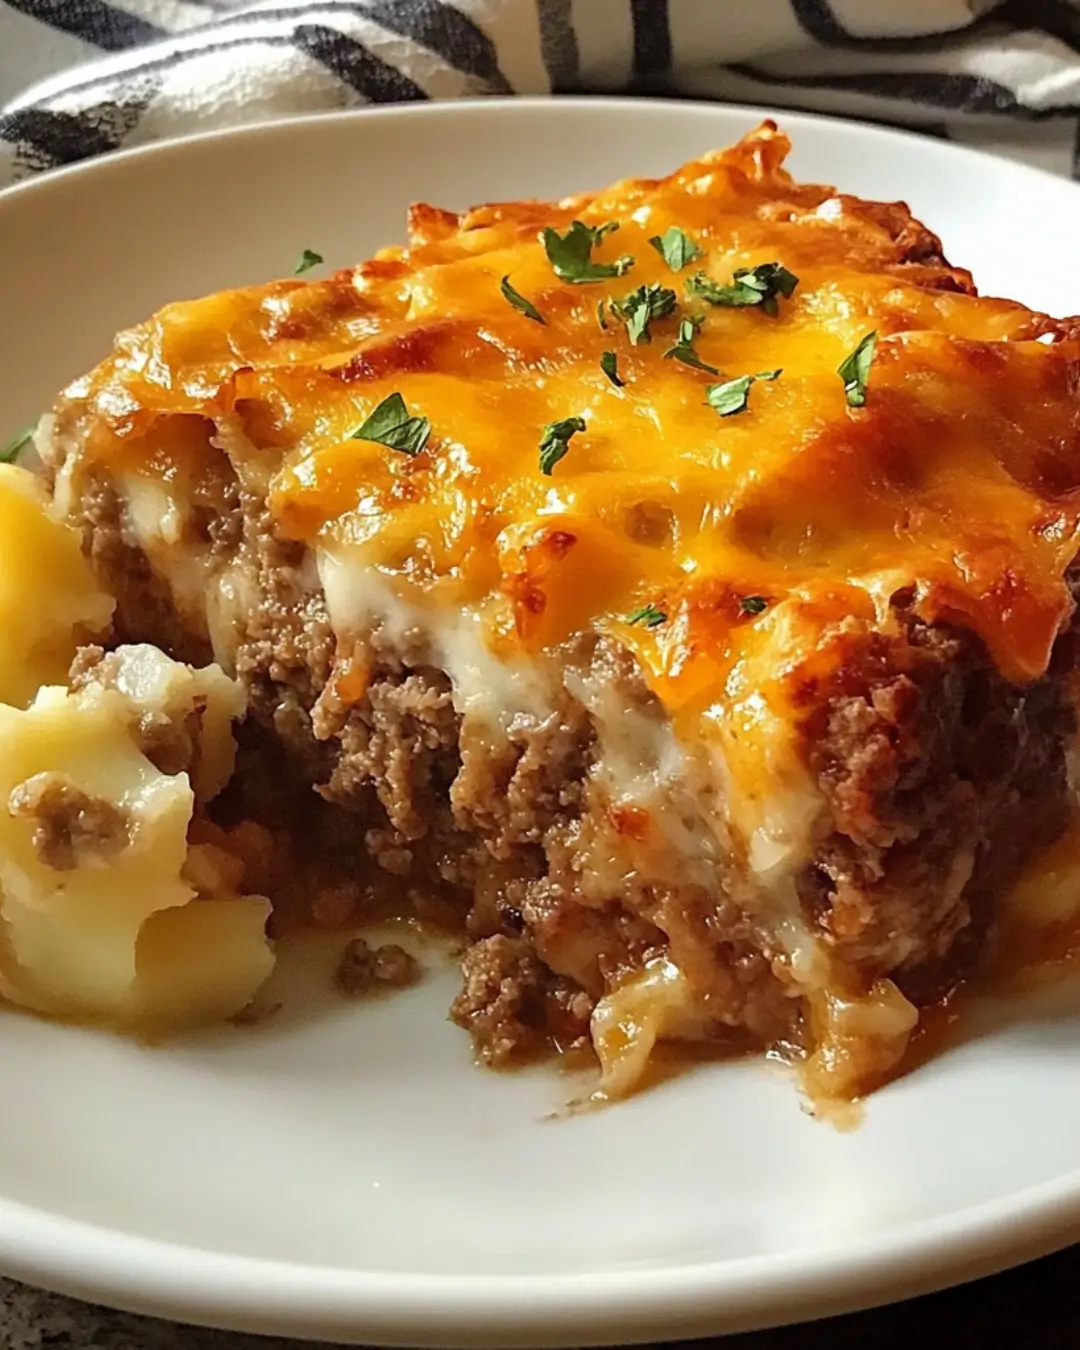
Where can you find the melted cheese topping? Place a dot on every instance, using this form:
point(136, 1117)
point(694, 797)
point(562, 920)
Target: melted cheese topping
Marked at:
point(957, 480)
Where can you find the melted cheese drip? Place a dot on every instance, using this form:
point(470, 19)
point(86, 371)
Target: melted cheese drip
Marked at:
point(652, 1005)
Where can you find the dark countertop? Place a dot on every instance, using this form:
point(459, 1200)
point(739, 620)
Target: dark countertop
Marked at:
point(1034, 1308)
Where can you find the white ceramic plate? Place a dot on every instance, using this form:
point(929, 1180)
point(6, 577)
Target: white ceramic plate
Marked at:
point(346, 1172)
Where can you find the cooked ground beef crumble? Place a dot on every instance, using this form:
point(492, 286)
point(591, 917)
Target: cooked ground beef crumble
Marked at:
point(71, 828)
point(364, 969)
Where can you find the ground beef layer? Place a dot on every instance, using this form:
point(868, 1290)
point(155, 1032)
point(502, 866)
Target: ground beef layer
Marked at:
point(939, 780)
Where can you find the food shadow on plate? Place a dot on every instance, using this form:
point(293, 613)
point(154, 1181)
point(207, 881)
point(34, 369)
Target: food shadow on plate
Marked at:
point(1039, 1009)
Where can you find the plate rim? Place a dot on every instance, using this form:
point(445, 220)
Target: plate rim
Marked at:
point(466, 1312)
point(189, 1284)
point(117, 161)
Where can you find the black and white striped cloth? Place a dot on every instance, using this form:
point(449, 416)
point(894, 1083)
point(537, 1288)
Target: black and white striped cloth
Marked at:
point(83, 77)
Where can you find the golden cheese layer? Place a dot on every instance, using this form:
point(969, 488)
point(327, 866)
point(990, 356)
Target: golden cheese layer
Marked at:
point(959, 477)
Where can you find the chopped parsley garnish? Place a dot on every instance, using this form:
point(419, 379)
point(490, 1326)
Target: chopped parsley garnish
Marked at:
point(855, 370)
point(683, 349)
point(677, 249)
point(555, 441)
point(640, 307)
point(306, 261)
point(609, 364)
point(16, 445)
point(600, 318)
point(753, 604)
point(570, 254)
point(518, 301)
point(761, 285)
point(702, 286)
point(391, 425)
point(733, 395)
point(649, 615)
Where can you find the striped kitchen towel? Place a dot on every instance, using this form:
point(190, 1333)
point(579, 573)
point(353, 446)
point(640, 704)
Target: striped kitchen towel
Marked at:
point(83, 77)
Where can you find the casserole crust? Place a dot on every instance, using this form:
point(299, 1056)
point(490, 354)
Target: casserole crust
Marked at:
point(719, 695)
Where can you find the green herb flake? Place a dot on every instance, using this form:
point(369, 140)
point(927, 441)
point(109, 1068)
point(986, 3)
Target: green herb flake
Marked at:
point(609, 364)
point(649, 615)
point(570, 254)
point(683, 349)
point(601, 318)
point(641, 307)
point(854, 370)
point(761, 285)
point(518, 301)
point(306, 261)
point(390, 425)
point(555, 441)
point(16, 446)
point(677, 249)
point(702, 287)
point(733, 395)
point(753, 604)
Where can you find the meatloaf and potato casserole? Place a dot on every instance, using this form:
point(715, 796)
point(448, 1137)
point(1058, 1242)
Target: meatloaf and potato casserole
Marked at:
point(669, 586)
